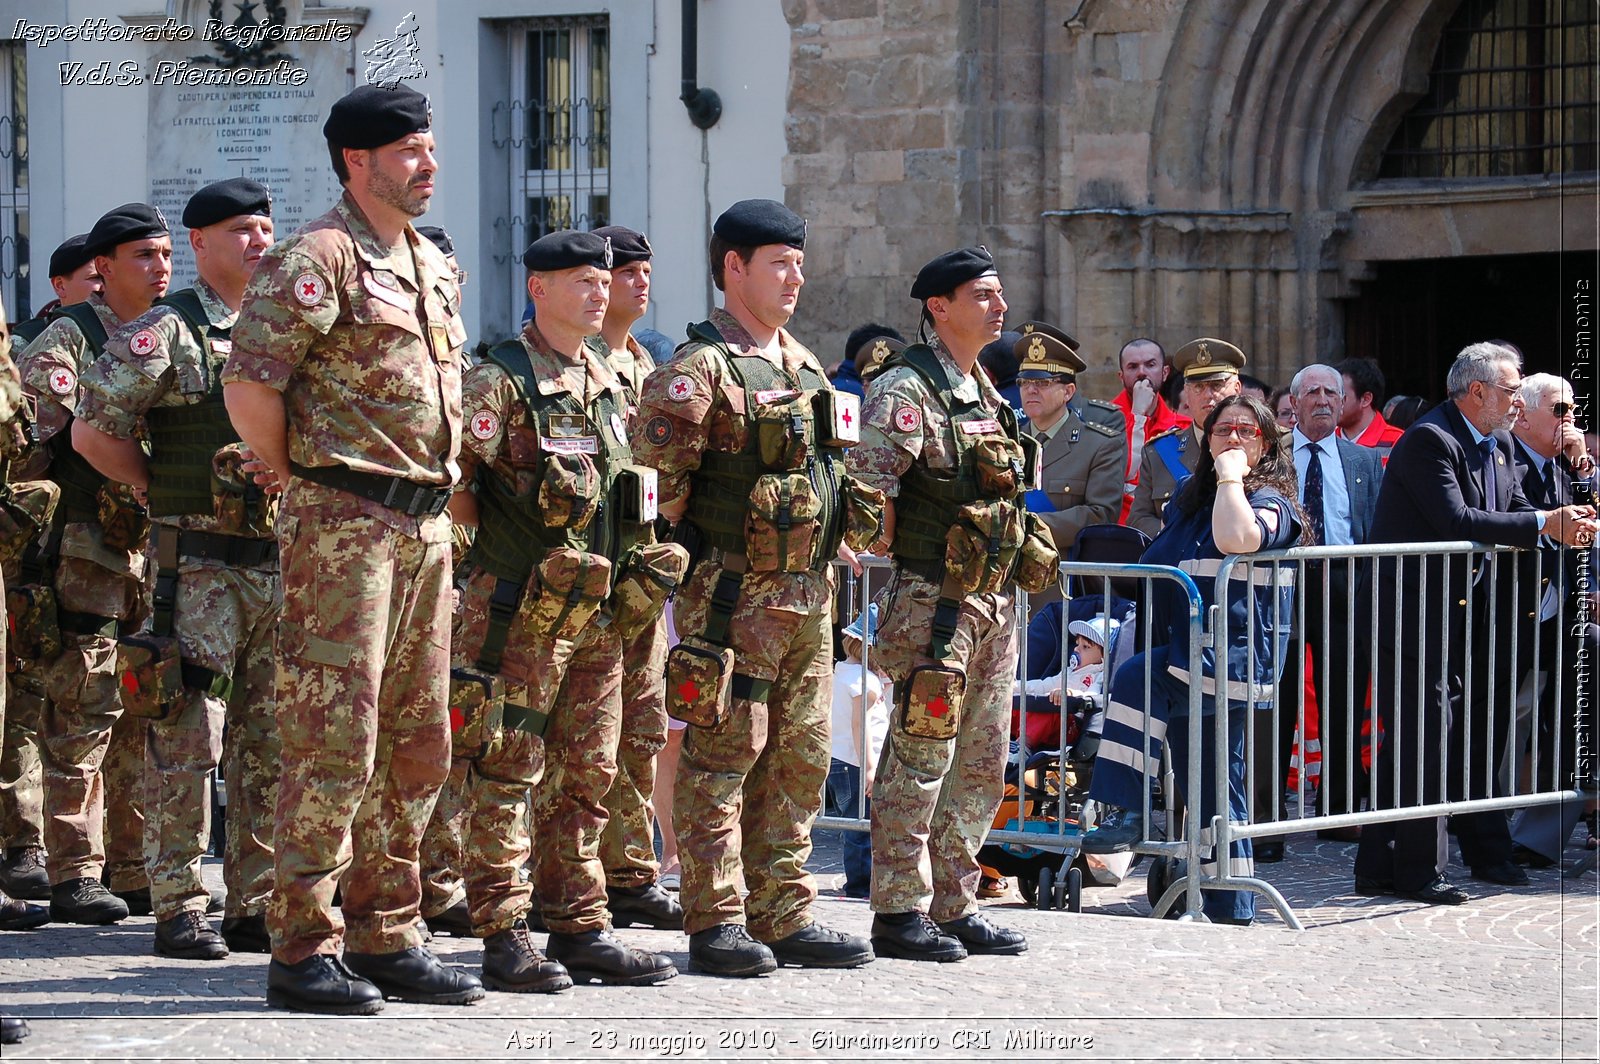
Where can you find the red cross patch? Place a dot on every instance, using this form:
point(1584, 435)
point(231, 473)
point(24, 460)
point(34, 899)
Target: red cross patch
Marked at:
point(143, 342)
point(688, 690)
point(63, 381)
point(309, 289)
point(681, 389)
point(485, 426)
point(907, 419)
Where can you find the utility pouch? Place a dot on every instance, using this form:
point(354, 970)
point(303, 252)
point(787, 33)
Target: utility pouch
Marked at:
point(837, 416)
point(35, 632)
point(998, 463)
point(569, 494)
point(1038, 561)
point(780, 425)
point(477, 711)
point(124, 522)
point(782, 524)
point(636, 494)
point(19, 437)
point(240, 505)
point(650, 574)
point(863, 514)
point(981, 548)
point(151, 675)
point(699, 682)
point(26, 508)
point(930, 701)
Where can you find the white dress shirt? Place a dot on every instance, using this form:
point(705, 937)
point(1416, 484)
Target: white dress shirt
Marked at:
point(1335, 493)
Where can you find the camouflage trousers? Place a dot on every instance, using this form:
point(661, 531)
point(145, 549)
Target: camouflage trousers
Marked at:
point(123, 773)
point(934, 801)
point(749, 789)
point(627, 847)
point(21, 771)
point(225, 620)
point(443, 841)
point(362, 692)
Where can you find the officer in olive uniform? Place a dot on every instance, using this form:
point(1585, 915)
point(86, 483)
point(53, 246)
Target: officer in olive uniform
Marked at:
point(1082, 445)
point(1210, 370)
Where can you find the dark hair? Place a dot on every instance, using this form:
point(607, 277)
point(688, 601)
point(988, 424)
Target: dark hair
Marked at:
point(1275, 469)
point(1165, 361)
point(861, 335)
point(1000, 360)
point(1406, 409)
point(1248, 381)
point(1172, 390)
point(336, 156)
point(1366, 376)
point(718, 250)
point(1277, 397)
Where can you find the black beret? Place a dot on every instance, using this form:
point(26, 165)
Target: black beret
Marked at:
point(221, 200)
point(753, 223)
point(628, 246)
point(131, 221)
point(567, 249)
point(70, 256)
point(950, 271)
point(439, 237)
point(373, 116)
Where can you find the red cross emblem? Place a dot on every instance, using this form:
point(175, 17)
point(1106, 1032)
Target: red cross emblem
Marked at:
point(308, 289)
point(143, 342)
point(938, 707)
point(681, 388)
point(130, 682)
point(485, 426)
point(848, 417)
point(907, 419)
point(62, 381)
point(457, 719)
point(688, 690)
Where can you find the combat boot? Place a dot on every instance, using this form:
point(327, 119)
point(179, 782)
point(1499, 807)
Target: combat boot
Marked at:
point(13, 1029)
point(913, 936)
point(978, 935)
point(512, 963)
point(416, 975)
point(598, 955)
point(321, 983)
point(23, 875)
point(646, 906)
point(455, 921)
point(728, 949)
point(16, 915)
point(85, 901)
point(247, 934)
point(189, 936)
point(138, 901)
point(815, 946)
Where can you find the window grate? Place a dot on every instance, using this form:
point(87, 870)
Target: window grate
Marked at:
point(15, 229)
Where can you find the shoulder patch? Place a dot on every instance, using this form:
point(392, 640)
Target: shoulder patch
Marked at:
point(681, 388)
point(143, 342)
point(1163, 435)
point(1102, 428)
point(658, 430)
point(309, 289)
point(908, 418)
point(485, 425)
point(63, 381)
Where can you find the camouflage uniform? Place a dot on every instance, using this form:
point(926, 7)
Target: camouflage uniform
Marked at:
point(99, 583)
point(364, 342)
point(122, 773)
point(748, 789)
point(443, 841)
point(933, 801)
point(21, 772)
point(224, 617)
point(14, 769)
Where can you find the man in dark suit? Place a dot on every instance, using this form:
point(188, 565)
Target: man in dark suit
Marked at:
point(1448, 478)
point(1338, 482)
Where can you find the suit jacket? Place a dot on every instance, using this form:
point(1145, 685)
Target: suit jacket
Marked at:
point(1157, 484)
point(1081, 470)
point(1557, 564)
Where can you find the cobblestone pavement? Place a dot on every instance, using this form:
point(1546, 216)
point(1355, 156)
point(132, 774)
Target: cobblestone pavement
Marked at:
point(1510, 976)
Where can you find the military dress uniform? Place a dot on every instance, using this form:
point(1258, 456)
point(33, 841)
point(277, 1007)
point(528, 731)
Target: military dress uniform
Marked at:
point(217, 593)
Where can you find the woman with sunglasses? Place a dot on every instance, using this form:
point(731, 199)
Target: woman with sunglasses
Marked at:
point(1240, 499)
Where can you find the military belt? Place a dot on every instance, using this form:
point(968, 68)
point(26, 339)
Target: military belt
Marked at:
point(406, 496)
point(86, 623)
point(229, 550)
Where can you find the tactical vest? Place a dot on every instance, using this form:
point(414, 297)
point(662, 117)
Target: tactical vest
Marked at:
point(24, 333)
point(512, 538)
point(184, 439)
point(928, 502)
point(721, 487)
point(79, 481)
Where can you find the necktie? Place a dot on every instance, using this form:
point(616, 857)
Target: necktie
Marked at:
point(1550, 484)
point(1313, 495)
point(1490, 494)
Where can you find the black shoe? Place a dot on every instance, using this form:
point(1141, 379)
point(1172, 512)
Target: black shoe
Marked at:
point(1373, 887)
point(1506, 873)
point(23, 875)
point(978, 935)
point(1440, 892)
point(647, 906)
point(1118, 832)
point(216, 902)
point(728, 949)
point(13, 1029)
point(189, 936)
point(815, 946)
point(18, 915)
point(1530, 858)
point(247, 934)
point(511, 962)
point(321, 983)
point(85, 901)
point(137, 901)
point(598, 955)
point(1267, 851)
point(455, 921)
point(913, 936)
point(417, 976)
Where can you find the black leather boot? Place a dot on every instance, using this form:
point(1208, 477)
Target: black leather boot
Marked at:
point(815, 946)
point(247, 934)
point(85, 901)
point(416, 975)
point(598, 955)
point(646, 906)
point(18, 915)
point(321, 983)
point(511, 962)
point(189, 936)
point(728, 949)
point(913, 936)
point(978, 935)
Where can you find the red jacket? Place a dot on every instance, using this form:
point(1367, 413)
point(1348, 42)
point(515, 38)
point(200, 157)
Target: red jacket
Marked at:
point(1161, 419)
point(1380, 435)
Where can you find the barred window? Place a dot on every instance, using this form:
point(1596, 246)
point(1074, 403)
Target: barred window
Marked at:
point(1511, 92)
point(555, 130)
point(15, 246)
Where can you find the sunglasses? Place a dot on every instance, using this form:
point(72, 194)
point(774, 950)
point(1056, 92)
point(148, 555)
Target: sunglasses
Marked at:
point(1244, 432)
point(1561, 409)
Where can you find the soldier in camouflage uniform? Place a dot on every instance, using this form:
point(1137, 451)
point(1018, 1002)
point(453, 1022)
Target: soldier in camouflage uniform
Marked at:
point(100, 566)
point(938, 439)
point(345, 379)
point(753, 676)
point(627, 849)
point(562, 516)
point(217, 589)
